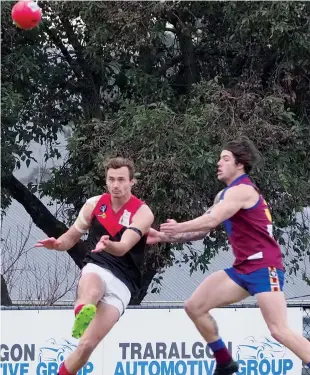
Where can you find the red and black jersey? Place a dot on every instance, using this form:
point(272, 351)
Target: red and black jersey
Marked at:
point(127, 268)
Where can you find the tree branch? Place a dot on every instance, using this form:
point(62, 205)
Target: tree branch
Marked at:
point(80, 68)
point(91, 99)
point(41, 216)
point(58, 43)
point(170, 29)
point(73, 40)
point(189, 73)
point(170, 63)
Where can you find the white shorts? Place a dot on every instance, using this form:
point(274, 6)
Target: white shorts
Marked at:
point(116, 292)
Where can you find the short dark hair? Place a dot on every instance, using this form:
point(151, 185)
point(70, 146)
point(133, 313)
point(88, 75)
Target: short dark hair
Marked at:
point(244, 152)
point(116, 163)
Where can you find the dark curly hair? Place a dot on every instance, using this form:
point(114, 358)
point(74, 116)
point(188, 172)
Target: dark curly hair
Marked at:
point(244, 152)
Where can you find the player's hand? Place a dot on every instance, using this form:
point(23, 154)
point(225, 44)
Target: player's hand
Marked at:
point(154, 237)
point(103, 244)
point(170, 228)
point(50, 243)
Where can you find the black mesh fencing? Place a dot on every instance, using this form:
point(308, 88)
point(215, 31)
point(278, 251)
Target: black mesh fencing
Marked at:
point(306, 370)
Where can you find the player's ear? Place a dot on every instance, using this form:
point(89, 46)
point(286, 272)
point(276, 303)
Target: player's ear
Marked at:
point(133, 182)
point(240, 166)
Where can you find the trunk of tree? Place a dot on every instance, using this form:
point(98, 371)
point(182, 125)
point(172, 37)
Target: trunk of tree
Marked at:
point(41, 216)
point(146, 281)
point(5, 297)
point(188, 74)
point(188, 57)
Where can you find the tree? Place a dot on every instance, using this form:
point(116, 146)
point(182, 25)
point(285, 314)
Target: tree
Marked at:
point(180, 76)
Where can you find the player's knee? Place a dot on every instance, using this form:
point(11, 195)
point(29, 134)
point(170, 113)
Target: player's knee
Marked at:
point(193, 308)
point(277, 331)
point(85, 349)
point(95, 293)
point(189, 308)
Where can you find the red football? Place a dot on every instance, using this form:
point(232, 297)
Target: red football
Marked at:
point(26, 14)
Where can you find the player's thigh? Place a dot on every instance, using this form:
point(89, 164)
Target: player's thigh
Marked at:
point(104, 320)
point(91, 281)
point(273, 308)
point(117, 293)
point(216, 290)
point(268, 291)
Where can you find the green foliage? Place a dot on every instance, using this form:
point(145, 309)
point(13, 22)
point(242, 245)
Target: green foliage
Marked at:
point(165, 84)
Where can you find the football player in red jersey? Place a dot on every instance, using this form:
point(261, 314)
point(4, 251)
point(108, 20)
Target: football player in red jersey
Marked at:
point(258, 269)
point(117, 224)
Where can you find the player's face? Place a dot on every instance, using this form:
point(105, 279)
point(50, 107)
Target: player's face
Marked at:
point(227, 169)
point(118, 182)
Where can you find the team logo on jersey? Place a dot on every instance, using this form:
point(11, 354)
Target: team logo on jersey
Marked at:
point(103, 209)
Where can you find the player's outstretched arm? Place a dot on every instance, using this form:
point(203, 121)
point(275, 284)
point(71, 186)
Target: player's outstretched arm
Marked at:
point(156, 236)
point(234, 200)
point(73, 234)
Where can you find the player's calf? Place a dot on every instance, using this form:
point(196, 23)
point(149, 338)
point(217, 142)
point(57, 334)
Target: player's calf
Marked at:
point(292, 340)
point(274, 310)
point(208, 328)
point(63, 370)
point(78, 358)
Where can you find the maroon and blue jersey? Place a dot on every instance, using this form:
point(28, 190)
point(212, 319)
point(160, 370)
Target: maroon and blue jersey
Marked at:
point(250, 234)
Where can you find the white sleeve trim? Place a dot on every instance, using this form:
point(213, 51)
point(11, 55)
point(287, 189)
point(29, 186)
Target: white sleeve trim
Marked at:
point(81, 222)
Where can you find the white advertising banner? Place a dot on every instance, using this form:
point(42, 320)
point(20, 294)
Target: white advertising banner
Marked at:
point(35, 342)
point(165, 342)
point(145, 342)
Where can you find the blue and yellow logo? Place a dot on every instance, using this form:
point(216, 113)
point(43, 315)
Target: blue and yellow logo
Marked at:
point(103, 209)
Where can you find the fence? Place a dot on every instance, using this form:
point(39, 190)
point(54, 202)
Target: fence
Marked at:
point(137, 328)
point(306, 327)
